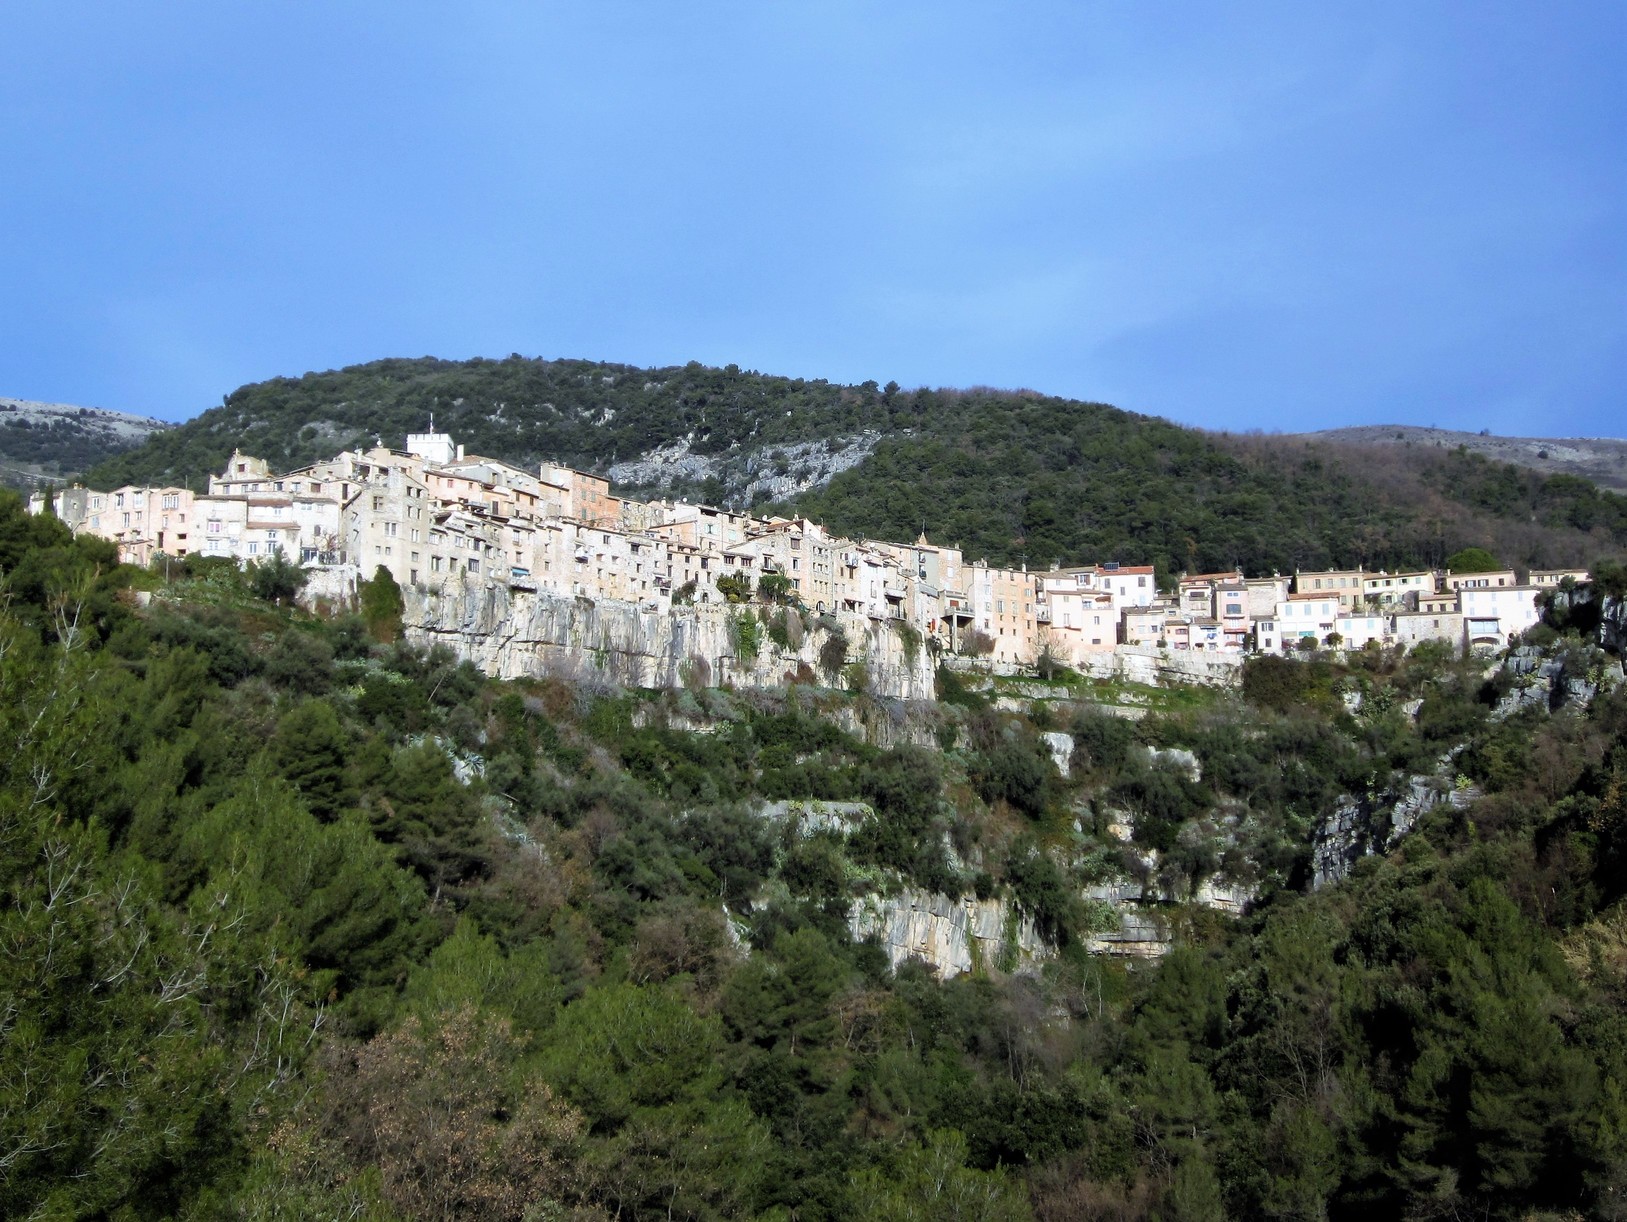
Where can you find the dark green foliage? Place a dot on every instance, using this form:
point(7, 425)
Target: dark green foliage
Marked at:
point(1101, 743)
point(310, 750)
point(303, 925)
point(553, 410)
point(1275, 682)
point(1041, 891)
point(776, 588)
point(277, 580)
point(833, 653)
point(1472, 560)
point(60, 583)
point(953, 689)
point(1017, 769)
point(381, 605)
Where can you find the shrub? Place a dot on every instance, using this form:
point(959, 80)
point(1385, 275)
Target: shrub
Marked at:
point(746, 635)
point(833, 653)
point(381, 605)
point(1017, 772)
point(735, 588)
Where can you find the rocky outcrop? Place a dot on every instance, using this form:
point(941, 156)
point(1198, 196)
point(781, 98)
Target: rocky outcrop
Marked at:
point(1613, 626)
point(1358, 827)
point(512, 634)
point(1551, 680)
point(1176, 759)
point(749, 474)
point(808, 816)
point(1143, 664)
point(1141, 934)
point(950, 935)
point(1060, 746)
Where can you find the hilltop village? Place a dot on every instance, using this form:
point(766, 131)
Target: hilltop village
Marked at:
point(442, 522)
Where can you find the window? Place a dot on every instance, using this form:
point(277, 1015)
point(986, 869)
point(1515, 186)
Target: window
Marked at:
point(214, 528)
point(474, 565)
point(172, 500)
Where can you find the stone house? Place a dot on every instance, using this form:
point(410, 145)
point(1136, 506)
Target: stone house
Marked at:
point(1346, 585)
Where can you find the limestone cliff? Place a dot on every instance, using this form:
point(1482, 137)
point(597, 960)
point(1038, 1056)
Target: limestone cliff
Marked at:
point(951, 935)
point(511, 634)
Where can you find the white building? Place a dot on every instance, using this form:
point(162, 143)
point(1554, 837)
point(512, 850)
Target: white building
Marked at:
point(1494, 616)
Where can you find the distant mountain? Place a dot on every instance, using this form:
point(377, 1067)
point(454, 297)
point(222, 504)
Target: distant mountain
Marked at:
point(40, 442)
point(1011, 476)
point(1600, 459)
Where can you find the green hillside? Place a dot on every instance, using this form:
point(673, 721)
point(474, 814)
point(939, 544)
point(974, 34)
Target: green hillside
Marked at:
point(583, 413)
point(301, 921)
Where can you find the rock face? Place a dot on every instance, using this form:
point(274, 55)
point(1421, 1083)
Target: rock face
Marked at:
point(950, 935)
point(1359, 827)
point(1061, 748)
point(1545, 682)
point(1178, 759)
point(1613, 626)
point(512, 634)
point(811, 815)
point(767, 473)
point(1144, 664)
point(1140, 935)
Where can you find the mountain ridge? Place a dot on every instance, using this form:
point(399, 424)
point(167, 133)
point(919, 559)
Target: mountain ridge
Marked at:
point(44, 442)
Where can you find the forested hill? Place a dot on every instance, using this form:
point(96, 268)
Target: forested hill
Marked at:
point(1011, 476)
point(582, 413)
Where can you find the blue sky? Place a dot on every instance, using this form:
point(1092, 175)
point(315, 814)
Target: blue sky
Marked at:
point(1273, 216)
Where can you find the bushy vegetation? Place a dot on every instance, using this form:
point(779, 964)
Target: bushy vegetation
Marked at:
point(304, 922)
